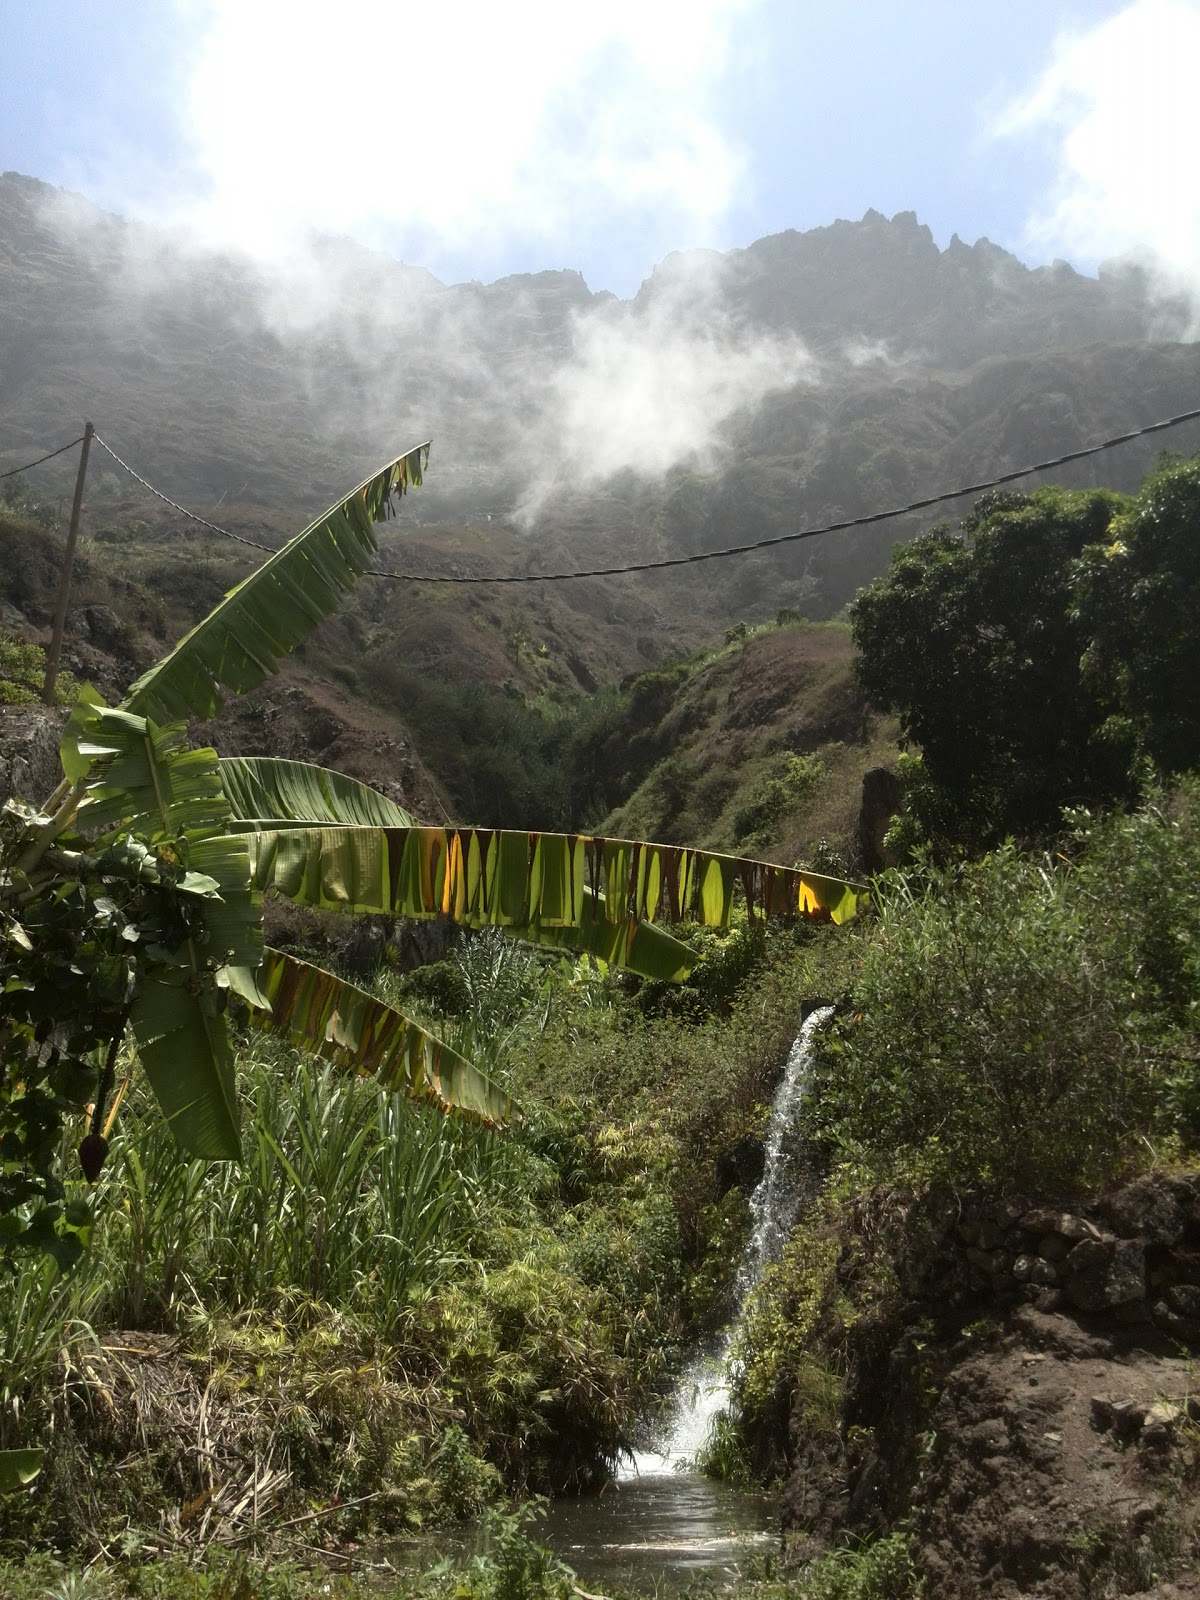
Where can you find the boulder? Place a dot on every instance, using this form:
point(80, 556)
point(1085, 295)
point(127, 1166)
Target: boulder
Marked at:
point(1062, 1223)
point(1101, 1273)
point(1147, 1209)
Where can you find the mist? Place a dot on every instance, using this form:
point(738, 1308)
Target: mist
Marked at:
point(647, 390)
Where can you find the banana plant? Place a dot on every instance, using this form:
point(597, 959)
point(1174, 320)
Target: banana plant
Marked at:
point(131, 901)
point(165, 852)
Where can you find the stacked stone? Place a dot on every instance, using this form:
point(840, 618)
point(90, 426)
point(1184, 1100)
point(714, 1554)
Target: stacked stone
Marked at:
point(1133, 1256)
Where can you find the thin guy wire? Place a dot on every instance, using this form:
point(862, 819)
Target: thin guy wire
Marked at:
point(203, 521)
point(12, 471)
point(702, 555)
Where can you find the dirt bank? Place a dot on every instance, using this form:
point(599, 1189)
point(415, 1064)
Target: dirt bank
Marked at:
point(1023, 1395)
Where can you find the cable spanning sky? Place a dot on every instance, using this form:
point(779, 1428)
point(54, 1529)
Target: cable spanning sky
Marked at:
point(479, 140)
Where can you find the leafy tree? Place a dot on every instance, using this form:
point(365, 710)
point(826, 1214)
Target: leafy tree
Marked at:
point(1138, 594)
point(1041, 654)
point(973, 639)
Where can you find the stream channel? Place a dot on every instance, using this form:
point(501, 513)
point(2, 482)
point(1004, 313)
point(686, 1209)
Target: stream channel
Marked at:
point(660, 1525)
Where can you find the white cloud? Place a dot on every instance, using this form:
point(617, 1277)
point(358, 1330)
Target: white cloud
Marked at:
point(461, 126)
point(646, 390)
point(1119, 103)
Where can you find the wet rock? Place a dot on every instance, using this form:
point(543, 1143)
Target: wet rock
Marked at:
point(1185, 1329)
point(741, 1165)
point(1185, 1299)
point(1032, 1269)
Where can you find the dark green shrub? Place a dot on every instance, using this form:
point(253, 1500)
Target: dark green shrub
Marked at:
point(992, 1034)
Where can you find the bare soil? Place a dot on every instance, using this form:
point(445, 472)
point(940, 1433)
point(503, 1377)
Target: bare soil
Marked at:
point(1029, 1485)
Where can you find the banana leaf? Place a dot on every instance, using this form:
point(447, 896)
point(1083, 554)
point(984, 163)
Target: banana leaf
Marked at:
point(272, 793)
point(481, 876)
point(17, 1468)
point(350, 1027)
point(636, 946)
point(140, 778)
point(264, 618)
point(183, 1044)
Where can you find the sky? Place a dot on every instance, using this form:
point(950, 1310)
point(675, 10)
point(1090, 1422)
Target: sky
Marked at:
point(479, 140)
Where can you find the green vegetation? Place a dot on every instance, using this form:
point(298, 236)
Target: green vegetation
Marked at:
point(510, 1564)
point(18, 499)
point(380, 1313)
point(1025, 1022)
point(133, 899)
point(384, 1309)
point(789, 785)
point(1022, 1024)
point(385, 1321)
point(22, 671)
point(759, 746)
point(1037, 654)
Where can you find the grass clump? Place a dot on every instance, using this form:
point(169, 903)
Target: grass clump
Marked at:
point(877, 1569)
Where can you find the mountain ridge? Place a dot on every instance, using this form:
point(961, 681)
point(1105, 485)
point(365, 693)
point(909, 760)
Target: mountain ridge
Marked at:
point(807, 377)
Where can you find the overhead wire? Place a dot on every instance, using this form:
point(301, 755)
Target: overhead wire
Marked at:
point(721, 553)
point(13, 471)
point(175, 506)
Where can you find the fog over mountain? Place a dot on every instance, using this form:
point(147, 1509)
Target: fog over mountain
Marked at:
point(808, 377)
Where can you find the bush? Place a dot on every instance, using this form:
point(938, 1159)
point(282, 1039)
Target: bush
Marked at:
point(1007, 1025)
point(784, 788)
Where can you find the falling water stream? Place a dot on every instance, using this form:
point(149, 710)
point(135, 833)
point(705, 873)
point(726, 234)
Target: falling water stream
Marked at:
point(662, 1524)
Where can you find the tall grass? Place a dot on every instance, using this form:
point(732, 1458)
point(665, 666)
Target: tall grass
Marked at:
point(346, 1196)
point(43, 1316)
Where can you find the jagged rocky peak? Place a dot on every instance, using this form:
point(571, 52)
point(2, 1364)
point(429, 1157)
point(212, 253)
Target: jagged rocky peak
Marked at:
point(555, 289)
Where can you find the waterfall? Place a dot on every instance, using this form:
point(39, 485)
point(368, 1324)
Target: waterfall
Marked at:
point(703, 1391)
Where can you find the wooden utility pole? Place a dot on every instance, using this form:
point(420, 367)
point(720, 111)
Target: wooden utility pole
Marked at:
point(64, 586)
